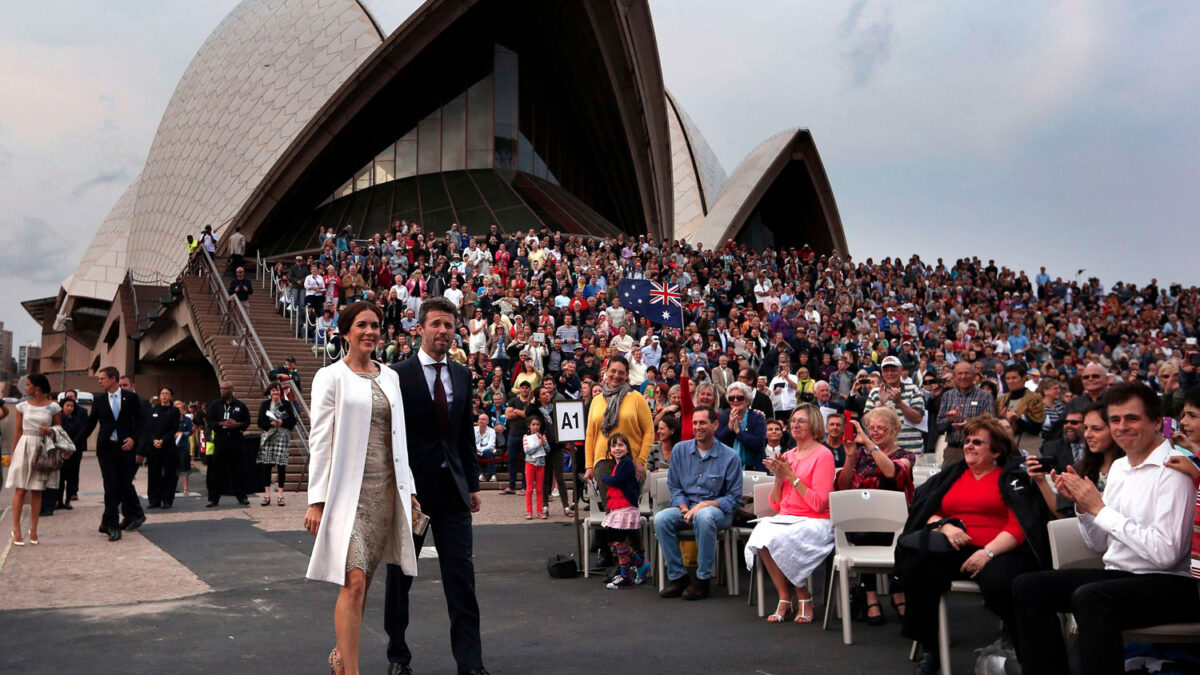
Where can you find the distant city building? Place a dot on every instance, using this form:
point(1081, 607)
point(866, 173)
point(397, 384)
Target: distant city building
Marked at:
point(27, 359)
point(6, 353)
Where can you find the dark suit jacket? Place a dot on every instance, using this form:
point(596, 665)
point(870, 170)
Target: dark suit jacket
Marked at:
point(1060, 449)
point(128, 424)
point(429, 444)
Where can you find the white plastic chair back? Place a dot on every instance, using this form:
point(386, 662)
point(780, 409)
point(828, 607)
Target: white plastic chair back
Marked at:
point(660, 492)
point(866, 511)
point(753, 478)
point(1067, 548)
point(762, 500)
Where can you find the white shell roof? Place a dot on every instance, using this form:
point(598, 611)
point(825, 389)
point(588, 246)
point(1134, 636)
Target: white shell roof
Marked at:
point(697, 173)
point(258, 79)
point(102, 269)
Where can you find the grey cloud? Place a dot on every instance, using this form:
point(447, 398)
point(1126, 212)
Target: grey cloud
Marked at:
point(870, 43)
point(36, 251)
point(104, 178)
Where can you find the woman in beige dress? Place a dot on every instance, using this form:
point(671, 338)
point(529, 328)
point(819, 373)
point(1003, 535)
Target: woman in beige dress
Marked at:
point(360, 491)
point(34, 419)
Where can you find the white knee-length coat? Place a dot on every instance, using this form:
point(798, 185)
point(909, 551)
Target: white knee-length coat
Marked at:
point(341, 425)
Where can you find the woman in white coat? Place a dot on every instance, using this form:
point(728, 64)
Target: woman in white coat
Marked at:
point(360, 489)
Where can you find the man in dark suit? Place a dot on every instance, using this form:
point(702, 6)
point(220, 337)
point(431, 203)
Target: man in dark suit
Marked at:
point(1070, 448)
point(444, 466)
point(120, 417)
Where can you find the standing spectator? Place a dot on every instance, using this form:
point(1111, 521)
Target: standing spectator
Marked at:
point(237, 248)
point(964, 402)
point(534, 446)
point(276, 418)
point(1095, 383)
point(553, 474)
point(240, 287)
point(208, 241)
point(1024, 409)
point(743, 429)
point(183, 445)
point(516, 413)
point(227, 420)
point(314, 291)
point(120, 416)
point(74, 421)
point(903, 397)
point(162, 465)
point(617, 411)
point(623, 517)
point(296, 276)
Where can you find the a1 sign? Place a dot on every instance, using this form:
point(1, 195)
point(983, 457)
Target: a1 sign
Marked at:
point(568, 418)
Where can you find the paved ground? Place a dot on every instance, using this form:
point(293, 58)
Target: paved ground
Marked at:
point(222, 590)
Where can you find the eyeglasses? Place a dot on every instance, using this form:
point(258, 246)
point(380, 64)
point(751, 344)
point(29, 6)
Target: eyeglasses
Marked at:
point(1072, 422)
point(736, 399)
point(975, 441)
point(1093, 376)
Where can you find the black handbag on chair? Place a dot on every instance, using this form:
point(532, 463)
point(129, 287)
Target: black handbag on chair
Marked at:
point(928, 541)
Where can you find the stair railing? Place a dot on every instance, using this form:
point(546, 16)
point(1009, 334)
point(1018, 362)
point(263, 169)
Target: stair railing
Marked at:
point(235, 321)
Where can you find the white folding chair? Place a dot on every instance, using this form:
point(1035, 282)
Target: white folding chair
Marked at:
point(762, 509)
point(922, 473)
point(750, 482)
point(861, 511)
point(943, 624)
point(595, 516)
point(1068, 551)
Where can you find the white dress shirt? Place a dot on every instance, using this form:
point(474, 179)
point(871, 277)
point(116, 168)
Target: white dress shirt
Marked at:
point(430, 372)
point(1146, 523)
point(114, 404)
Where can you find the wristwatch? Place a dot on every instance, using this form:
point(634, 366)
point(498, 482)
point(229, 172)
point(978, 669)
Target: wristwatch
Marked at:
point(990, 555)
point(795, 482)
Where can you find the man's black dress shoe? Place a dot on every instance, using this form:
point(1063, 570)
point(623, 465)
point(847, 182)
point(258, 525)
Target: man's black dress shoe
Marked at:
point(135, 523)
point(67, 506)
point(103, 529)
point(399, 669)
point(210, 505)
point(114, 534)
point(243, 501)
point(475, 671)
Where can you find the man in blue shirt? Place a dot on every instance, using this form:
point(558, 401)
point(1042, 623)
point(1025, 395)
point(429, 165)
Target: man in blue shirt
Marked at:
point(705, 479)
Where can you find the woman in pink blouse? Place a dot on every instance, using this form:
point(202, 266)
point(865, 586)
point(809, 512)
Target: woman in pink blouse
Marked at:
point(793, 543)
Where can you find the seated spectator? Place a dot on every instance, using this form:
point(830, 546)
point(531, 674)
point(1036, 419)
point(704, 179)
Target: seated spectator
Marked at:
point(485, 443)
point(705, 479)
point(1068, 449)
point(795, 542)
point(835, 430)
point(1096, 463)
point(878, 463)
point(994, 521)
point(1143, 526)
point(776, 440)
point(743, 428)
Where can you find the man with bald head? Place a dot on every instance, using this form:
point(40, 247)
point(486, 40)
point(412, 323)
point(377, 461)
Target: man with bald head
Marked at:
point(965, 401)
point(227, 420)
point(1095, 384)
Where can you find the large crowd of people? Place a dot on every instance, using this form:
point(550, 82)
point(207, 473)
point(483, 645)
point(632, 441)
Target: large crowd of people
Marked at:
point(1040, 398)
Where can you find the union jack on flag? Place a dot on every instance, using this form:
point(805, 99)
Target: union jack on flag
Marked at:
point(660, 303)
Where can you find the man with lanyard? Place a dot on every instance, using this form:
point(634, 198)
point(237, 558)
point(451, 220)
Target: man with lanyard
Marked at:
point(959, 405)
point(227, 419)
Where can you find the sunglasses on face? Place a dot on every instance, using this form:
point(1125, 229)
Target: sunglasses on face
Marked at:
point(975, 441)
point(736, 399)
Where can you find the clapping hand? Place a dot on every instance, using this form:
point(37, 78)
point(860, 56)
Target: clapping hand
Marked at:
point(1080, 490)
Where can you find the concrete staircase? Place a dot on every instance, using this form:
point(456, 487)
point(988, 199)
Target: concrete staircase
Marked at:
point(229, 359)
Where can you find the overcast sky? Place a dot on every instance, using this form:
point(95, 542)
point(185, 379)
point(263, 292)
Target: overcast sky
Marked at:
point(1035, 133)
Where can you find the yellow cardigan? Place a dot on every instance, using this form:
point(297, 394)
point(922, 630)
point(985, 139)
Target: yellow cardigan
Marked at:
point(634, 420)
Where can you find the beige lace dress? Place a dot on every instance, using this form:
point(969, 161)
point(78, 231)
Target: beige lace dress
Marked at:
point(373, 519)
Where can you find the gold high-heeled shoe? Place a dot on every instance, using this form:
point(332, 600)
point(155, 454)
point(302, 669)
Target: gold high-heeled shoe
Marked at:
point(336, 667)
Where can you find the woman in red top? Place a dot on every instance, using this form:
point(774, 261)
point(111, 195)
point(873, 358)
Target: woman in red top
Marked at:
point(996, 511)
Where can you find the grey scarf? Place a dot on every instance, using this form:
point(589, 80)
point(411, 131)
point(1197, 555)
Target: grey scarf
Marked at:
point(613, 398)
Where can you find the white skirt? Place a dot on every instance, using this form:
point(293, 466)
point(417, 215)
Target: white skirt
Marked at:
point(798, 545)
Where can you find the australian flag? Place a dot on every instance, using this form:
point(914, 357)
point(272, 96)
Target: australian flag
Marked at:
point(660, 303)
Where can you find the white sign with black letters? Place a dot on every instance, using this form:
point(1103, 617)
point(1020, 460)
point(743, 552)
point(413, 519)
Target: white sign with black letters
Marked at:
point(568, 420)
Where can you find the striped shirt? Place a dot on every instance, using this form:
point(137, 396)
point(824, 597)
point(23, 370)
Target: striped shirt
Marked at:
point(971, 404)
point(910, 437)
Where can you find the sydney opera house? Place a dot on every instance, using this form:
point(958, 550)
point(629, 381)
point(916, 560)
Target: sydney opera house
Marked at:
point(296, 115)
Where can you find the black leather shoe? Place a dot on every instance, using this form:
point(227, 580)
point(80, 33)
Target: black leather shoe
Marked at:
point(123, 524)
point(243, 501)
point(114, 534)
point(152, 506)
point(675, 587)
point(166, 506)
point(67, 506)
point(134, 524)
point(697, 590)
point(928, 664)
point(210, 505)
point(475, 671)
point(399, 669)
point(103, 529)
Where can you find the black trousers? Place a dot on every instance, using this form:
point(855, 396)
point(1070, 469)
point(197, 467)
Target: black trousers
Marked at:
point(554, 471)
point(117, 468)
point(264, 476)
point(923, 589)
point(68, 476)
point(225, 470)
point(162, 465)
point(453, 539)
point(1104, 603)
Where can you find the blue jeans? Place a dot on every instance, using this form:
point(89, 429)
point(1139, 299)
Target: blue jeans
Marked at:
point(706, 524)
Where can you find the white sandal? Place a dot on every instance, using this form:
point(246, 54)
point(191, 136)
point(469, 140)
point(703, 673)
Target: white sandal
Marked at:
point(780, 617)
point(801, 617)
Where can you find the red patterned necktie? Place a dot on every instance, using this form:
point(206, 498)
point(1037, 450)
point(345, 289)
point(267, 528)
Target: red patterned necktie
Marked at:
point(439, 395)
